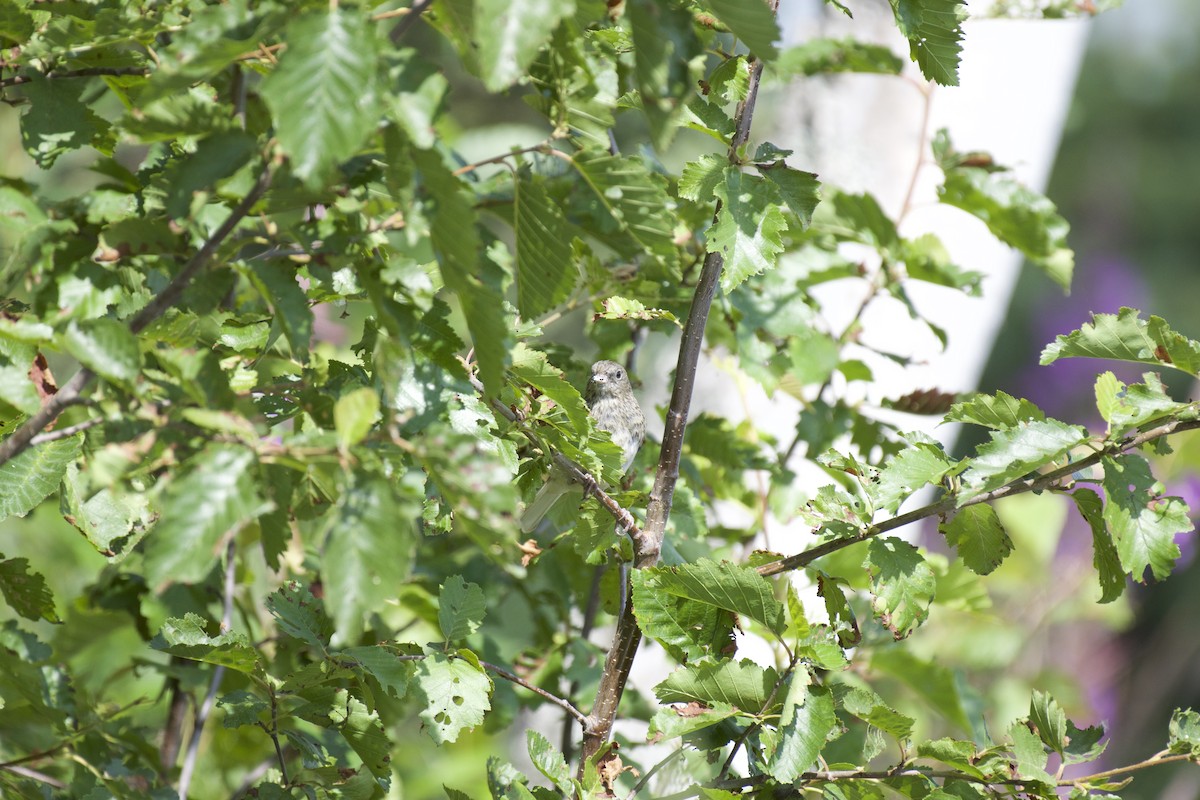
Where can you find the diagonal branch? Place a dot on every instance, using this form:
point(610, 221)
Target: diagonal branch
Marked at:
point(627, 636)
point(70, 392)
point(1047, 480)
point(575, 472)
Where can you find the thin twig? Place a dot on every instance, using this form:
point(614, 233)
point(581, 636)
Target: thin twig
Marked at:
point(585, 633)
point(214, 685)
point(750, 729)
point(253, 775)
point(949, 503)
point(33, 774)
point(561, 702)
point(533, 148)
point(65, 433)
point(628, 636)
point(86, 72)
point(650, 773)
point(410, 19)
point(575, 472)
point(70, 392)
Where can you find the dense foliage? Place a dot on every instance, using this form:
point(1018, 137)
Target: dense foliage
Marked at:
point(305, 554)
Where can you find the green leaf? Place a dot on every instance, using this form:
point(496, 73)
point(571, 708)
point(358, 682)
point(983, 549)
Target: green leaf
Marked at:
point(300, 615)
point(956, 753)
point(823, 55)
point(1000, 411)
point(337, 709)
point(803, 736)
point(461, 607)
point(1143, 523)
point(16, 25)
point(57, 121)
point(217, 157)
point(354, 414)
point(1015, 452)
point(1030, 753)
point(456, 242)
point(628, 308)
point(26, 592)
point(545, 269)
point(1083, 744)
point(741, 684)
point(367, 553)
point(902, 583)
point(1014, 213)
point(278, 285)
point(870, 708)
point(106, 347)
point(516, 31)
point(689, 630)
point(216, 498)
point(664, 46)
point(945, 690)
point(28, 479)
point(324, 95)
point(934, 32)
point(978, 537)
point(671, 722)
point(800, 190)
point(1049, 721)
point(752, 21)
point(920, 464)
point(532, 367)
point(1124, 336)
point(416, 90)
point(699, 179)
point(1105, 558)
point(383, 663)
point(454, 693)
point(748, 230)
point(634, 198)
point(187, 638)
point(241, 708)
point(1184, 731)
point(731, 587)
point(549, 761)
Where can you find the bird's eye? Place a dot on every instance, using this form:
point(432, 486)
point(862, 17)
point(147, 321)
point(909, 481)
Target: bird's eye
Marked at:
point(619, 373)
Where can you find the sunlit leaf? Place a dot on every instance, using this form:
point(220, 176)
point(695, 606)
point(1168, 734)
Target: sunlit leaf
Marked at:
point(324, 94)
point(1142, 521)
point(1124, 336)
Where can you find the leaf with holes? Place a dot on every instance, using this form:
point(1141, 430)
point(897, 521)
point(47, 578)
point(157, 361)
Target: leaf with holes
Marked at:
point(454, 693)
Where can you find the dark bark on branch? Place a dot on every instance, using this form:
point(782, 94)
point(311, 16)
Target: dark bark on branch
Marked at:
point(627, 636)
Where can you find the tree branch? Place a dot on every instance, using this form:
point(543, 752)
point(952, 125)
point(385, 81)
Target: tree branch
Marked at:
point(625, 520)
point(561, 702)
point(1048, 480)
point(189, 760)
point(70, 392)
point(627, 636)
point(86, 72)
point(410, 18)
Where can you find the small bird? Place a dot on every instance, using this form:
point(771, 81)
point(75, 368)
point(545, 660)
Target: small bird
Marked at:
point(610, 401)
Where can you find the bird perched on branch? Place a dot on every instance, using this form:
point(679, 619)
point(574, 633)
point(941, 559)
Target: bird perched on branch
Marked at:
point(610, 400)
